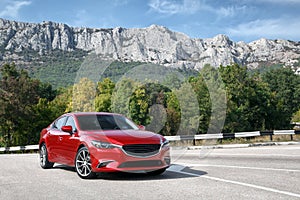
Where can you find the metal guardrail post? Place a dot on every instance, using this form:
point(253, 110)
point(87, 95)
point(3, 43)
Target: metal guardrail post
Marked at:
point(267, 133)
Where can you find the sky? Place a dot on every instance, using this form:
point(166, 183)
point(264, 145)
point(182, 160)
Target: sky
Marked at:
point(240, 20)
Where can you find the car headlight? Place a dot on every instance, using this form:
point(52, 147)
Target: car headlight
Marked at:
point(104, 145)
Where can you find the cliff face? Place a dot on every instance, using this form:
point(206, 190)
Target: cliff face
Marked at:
point(154, 44)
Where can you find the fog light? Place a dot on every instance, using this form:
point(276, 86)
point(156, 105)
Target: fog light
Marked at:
point(104, 163)
point(167, 160)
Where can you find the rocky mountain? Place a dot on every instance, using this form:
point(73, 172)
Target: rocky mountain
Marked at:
point(154, 44)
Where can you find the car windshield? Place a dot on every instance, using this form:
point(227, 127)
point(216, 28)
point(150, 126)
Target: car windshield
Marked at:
point(105, 122)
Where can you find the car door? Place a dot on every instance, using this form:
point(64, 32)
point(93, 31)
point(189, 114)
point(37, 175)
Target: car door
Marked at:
point(53, 139)
point(68, 143)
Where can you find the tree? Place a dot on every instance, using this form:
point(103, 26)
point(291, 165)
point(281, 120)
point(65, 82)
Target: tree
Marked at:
point(173, 114)
point(296, 117)
point(189, 109)
point(121, 96)
point(139, 106)
point(213, 99)
point(199, 86)
point(45, 90)
point(285, 87)
point(104, 94)
point(157, 105)
point(83, 99)
point(19, 93)
point(45, 111)
point(62, 102)
point(248, 100)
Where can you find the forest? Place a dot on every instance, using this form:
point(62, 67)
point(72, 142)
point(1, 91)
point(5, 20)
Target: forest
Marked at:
point(168, 101)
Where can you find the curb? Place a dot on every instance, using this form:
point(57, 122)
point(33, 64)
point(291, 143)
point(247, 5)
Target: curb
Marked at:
point(230, 146)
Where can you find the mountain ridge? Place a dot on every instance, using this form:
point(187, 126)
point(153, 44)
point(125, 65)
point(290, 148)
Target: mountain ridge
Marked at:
point(154, 44)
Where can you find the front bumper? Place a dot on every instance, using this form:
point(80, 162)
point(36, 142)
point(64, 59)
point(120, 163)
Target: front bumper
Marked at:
point(113, 160)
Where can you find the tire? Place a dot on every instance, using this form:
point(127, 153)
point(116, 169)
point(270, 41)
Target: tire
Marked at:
point(83, 165)
point(44, 162)
point(156, 172)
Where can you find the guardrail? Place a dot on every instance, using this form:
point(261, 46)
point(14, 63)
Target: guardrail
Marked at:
point(19, 148)
point(233, 135)
point(190, 137)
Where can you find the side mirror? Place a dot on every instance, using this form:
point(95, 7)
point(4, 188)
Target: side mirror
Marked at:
point(68, 129)
point(141, 127)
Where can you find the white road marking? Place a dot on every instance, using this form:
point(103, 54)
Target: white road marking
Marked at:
point(282, 147)
point(176, 168)
point(241, 155)
point(256, 155)
point(252, 186)
point(179, 168)
point(238, 167)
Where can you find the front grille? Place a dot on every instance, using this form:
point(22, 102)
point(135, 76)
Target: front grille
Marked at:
point(141, 150)
point(143, 163)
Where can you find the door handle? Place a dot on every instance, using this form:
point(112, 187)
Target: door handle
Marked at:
point(60, 138)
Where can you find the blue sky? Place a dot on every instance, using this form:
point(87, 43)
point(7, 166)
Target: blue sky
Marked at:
point(241, 20)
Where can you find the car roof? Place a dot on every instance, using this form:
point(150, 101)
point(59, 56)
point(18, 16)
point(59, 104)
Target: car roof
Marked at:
point(90, 113)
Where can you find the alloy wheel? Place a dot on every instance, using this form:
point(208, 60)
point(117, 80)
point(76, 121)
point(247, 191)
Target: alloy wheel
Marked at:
point(44, 162)
point(43, 155)
point(83, 163)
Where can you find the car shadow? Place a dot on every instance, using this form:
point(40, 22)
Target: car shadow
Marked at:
point(64, 167)
point(185, 172)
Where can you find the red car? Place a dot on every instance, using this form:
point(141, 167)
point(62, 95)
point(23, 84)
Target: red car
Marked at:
point(102, 142)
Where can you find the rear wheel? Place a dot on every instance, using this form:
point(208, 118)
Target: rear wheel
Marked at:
point(83, 165)
point(44, 162)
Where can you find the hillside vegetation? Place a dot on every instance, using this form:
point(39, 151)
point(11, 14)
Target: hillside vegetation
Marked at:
point(167, 101)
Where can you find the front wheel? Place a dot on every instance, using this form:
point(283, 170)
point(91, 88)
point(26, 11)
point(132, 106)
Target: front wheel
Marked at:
point(44, 162)
point(83, 165)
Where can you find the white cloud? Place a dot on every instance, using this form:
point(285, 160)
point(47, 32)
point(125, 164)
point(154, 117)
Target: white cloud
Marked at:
point(279, 1)
point(226, 11)
point(229, 11)
point(283, 28)
point(12, 8)
point(170, 7)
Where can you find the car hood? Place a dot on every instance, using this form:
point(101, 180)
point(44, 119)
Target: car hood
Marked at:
point(122, 137)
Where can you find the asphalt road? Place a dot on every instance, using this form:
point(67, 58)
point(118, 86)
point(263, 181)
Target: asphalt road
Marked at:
point(236, 173)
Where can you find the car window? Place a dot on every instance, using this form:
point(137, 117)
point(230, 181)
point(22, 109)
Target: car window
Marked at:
point(105, 122)
point(71, 122)
point(59, 123)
